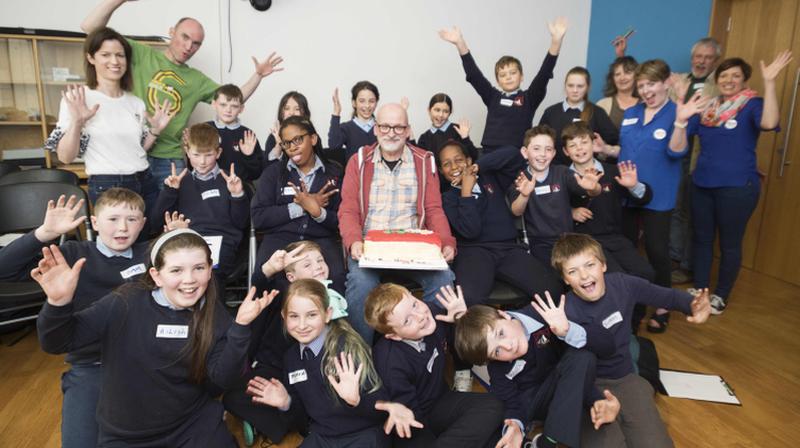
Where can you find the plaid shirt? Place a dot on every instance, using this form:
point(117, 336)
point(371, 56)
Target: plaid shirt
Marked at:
point(393, 194)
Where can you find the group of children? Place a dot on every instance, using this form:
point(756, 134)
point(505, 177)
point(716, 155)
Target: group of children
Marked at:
point(150, 356)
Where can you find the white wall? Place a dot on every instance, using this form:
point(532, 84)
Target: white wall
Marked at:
point(328, 44)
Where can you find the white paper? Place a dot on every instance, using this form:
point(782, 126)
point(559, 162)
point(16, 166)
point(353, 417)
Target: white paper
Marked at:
point(697, 386)
point(215, 244)
point(8, 238)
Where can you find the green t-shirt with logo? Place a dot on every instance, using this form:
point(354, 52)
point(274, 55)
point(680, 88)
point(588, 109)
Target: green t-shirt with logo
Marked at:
point(156, 78)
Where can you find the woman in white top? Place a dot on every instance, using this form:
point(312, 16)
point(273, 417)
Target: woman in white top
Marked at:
point(106, 124)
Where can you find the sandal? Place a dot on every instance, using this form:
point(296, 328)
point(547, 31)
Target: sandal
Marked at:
point(662, 321)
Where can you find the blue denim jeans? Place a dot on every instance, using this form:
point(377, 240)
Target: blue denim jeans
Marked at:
point(725, 210)
point(162, 168)
point(361, 281)
point(81, 388)
point(142, 183)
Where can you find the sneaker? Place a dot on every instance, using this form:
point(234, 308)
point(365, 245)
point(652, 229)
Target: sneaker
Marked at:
point(693, 291)
point(679, 277)
point(718, 305)
point(462, 380)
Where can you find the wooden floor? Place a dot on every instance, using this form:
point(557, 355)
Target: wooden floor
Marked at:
point(755, 346)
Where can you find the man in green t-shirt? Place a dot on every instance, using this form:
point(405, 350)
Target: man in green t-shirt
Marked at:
point(164, 75)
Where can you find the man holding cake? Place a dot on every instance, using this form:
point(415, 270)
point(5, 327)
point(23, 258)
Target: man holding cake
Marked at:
point(392, 186)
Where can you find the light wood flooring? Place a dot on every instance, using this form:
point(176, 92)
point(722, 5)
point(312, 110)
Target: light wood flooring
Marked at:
point(755, 346)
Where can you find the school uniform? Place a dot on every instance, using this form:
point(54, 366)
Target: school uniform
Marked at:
point(487, 239)
point(333, 423)
point(639, 418)
point(213, 211)
point(554, 380)
point(560, 115)
point(605, 226)
point(247, 167)
point(104, 271)
point(548, 214)
point(509, 113)
point(283, 222)
point(434, 138)
point(647, 145)
point(350, 135)
point(413, 375)
point(146, 397)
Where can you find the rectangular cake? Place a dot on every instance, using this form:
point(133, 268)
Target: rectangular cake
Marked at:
point(403, 249)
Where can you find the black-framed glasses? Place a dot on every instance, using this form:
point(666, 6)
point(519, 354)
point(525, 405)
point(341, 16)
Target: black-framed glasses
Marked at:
point(296, 141)
point(397, 129)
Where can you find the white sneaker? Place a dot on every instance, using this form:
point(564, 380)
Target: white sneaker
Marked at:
point(718, 305)
point(462, 380)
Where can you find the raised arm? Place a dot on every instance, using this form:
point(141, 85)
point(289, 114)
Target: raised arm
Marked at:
point(685, 110)
point(770, 117)
point(100, 15)
point(73, 105)
point(262, 70)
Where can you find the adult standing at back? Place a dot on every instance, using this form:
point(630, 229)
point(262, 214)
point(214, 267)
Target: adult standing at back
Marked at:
point(165, 75)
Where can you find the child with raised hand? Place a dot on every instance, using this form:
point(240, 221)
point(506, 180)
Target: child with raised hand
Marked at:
point(239, 144)
point(298, 198)
point(214, 201)
point(542, 367)
point(410, 359)
point(597, 297)
point(357, 132)
point(510, 109)
point(329, 374)
point(292, 104)
point(542, 192)
point(112, 260)
point(164, 342)
point(443, 130)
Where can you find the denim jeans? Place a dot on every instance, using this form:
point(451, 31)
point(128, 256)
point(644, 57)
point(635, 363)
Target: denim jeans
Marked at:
point(725, 210)
point(361, 281)
point(142, 183)
point(680, 235)
point(81, 388)
point(162, 168)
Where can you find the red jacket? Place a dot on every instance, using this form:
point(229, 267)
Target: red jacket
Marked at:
point(355, 196)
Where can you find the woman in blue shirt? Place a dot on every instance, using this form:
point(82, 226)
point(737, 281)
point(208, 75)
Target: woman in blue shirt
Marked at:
point(726, 183)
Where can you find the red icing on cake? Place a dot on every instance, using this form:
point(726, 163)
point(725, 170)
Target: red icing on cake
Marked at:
point(404, 236)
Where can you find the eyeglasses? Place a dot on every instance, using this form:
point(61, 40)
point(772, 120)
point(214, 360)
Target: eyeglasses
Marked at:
point(397, 129)
point(296, 141)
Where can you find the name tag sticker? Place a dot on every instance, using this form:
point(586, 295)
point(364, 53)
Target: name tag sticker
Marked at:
point(132, 271)
point(165, 331)
point(508, 102)
point(698, 85)
point(629, 121)
point(433, 358)
point(544, 189)
point(613, 319)
point(576, 119)
point(659, 134)
point(518, 366)
point(298, 376)
point(210, 194)
point(731, 124)
point(288, 191)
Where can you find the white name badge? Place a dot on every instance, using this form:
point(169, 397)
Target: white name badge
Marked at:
point(506, 102)
point(518, 366)
point(613, 319)
point(731, 124)
point(576, 119)
point(698, 85)
point(288, 191)
point(215, 244)
point(544, 189)
point(172, 331)
point(659, 134)
point(629, 121)
point(133, 270)
point(433, 358)
point(298, 376)
point(210, 194)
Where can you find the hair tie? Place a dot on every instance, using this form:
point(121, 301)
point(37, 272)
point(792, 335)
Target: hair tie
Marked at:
point(335, 300)
point(166, 237)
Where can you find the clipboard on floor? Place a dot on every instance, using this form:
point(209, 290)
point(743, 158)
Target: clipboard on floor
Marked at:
point(698, 386)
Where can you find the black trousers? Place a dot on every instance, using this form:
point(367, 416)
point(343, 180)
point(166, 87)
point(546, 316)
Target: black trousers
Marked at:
point(476, 268)
point(655, 225)
point(458, 420)
point(366, 438)
point(622, 256)
point(269, 421)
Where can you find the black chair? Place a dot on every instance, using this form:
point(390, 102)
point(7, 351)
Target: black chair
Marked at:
point(40, 175)
point(7, 167)
point(23, 207)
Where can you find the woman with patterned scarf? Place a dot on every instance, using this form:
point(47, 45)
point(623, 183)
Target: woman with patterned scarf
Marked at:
point(726, 181)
